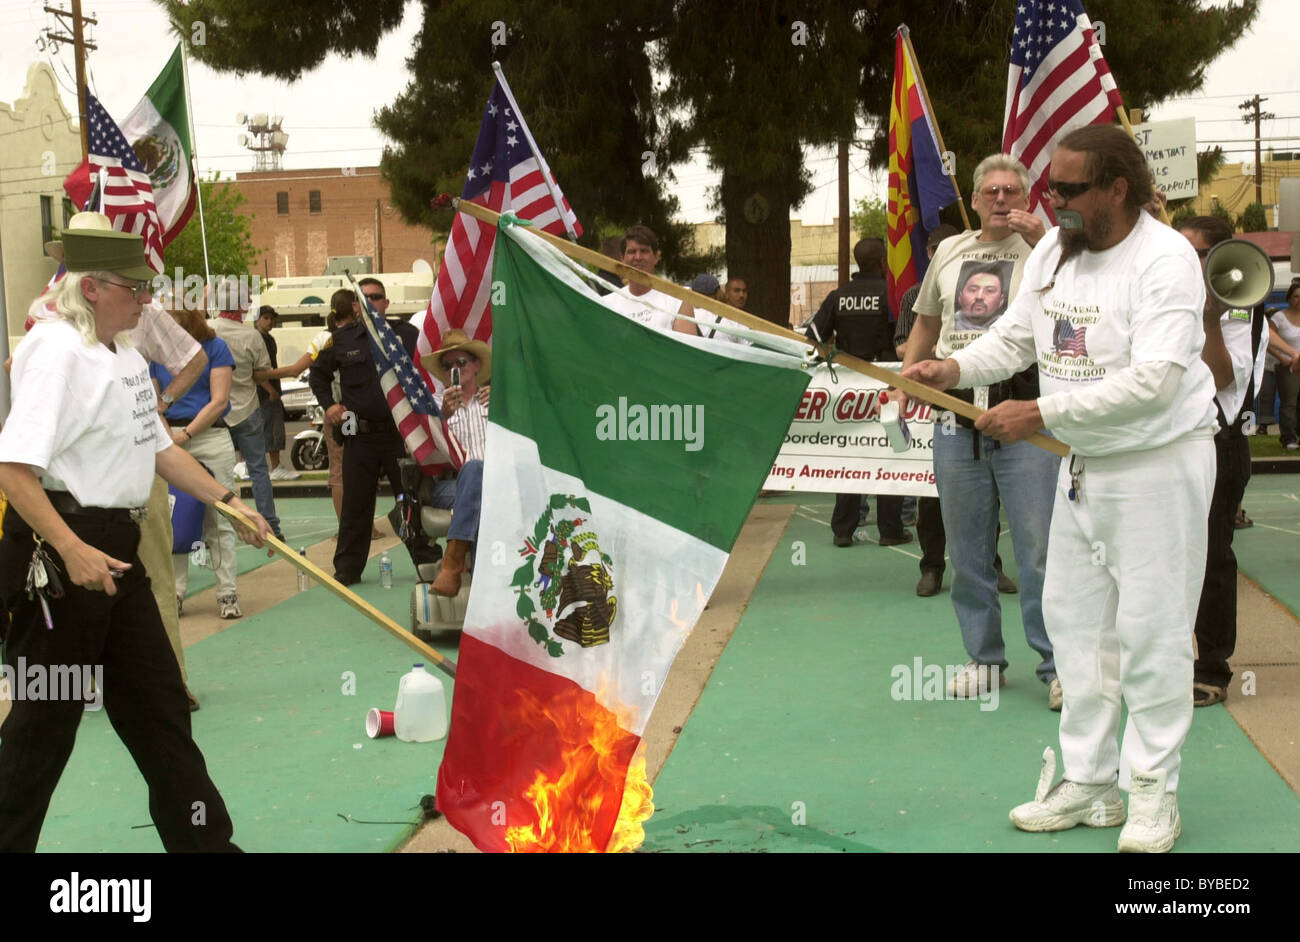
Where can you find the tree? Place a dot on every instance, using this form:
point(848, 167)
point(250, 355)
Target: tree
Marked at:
point(869, 219)
point(230, 247)
point(618, 95)
point(1253, 219)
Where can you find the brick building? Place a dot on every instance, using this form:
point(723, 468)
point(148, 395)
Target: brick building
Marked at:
point(300, 218)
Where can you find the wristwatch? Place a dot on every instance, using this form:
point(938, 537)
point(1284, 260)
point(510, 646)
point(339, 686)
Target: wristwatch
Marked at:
point(167, 400)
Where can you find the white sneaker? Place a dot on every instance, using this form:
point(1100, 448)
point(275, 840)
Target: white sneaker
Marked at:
point(974, 680)
point(1153, 821)
point(1055, 696)
point(228, 606)
point(1068, 804)
point(241, 470)
point(282, 473)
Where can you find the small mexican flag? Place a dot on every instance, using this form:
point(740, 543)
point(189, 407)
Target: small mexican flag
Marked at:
point(158, 129)
point(620, 466)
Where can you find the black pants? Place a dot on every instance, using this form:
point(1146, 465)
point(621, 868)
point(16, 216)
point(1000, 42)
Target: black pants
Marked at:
point(889, 515)
point(934, 539)
point(367, 455)
point(142, 691)
point(1216, 616)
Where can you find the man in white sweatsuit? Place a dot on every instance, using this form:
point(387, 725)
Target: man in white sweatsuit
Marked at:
point(1110, 309)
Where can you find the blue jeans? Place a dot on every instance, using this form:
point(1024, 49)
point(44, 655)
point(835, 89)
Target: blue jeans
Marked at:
point(464, 498)
point(1024, 476)
point(250, 441)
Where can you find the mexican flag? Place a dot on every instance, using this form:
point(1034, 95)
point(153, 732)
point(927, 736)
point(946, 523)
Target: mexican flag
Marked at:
point(158, 129)
point(620, 466)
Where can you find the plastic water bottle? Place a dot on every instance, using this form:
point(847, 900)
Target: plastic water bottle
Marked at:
point(386, 570)
point(304, 581)
point(421, 711)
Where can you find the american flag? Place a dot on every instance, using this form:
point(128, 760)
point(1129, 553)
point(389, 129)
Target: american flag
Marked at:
point(1058, 81)
point(1069, 340)
point(128, 192)
point(505, 176)
point(423, 428)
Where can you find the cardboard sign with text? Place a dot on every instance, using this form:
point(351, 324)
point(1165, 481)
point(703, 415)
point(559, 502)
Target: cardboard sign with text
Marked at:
point(836, 443)
point(1170, 149)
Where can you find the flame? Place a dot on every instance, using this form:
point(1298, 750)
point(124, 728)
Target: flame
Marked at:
point(569, 804)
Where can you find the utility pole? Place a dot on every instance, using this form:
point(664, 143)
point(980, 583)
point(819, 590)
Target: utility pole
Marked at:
point(844, 212)
point(79, 47)
point(1251, 107)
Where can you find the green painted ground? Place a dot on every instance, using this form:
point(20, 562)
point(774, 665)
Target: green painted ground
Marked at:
point(303, 520)
point(799, 745)
point(284, 744)
point(1269, 552)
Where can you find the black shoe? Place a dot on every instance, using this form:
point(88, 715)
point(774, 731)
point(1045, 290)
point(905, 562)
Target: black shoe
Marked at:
point(1208, 694)
point(347, 579)
point(278, 534)
point(844, 540)
point(1005, 585)
point(905, 537)
point(930, 584)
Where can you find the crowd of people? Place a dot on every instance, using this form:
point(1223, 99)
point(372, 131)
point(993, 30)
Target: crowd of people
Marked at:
point(1097, 332)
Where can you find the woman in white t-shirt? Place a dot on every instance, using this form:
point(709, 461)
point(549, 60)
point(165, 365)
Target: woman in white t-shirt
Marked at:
point(1286, 323)
point(77, 459)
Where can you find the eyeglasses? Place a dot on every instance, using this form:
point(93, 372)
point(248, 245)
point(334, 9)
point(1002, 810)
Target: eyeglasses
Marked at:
point(991, 192)
point(459, 361)
point(374, 297)
point(138, 289)
point(1068, 191)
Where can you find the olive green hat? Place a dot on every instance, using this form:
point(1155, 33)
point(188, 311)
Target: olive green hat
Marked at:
point(90, 244)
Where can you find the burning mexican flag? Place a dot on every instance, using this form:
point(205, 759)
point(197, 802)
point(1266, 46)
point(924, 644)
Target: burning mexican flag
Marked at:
point(621, 464)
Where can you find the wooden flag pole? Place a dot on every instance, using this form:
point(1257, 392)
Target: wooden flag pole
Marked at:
point(917, 390)
point(920, 80)
point(443, 663)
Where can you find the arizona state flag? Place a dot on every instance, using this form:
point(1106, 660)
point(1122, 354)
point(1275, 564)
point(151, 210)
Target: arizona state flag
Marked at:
point(919, 183)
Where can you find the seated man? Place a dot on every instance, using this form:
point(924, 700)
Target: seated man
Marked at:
point(464, 404)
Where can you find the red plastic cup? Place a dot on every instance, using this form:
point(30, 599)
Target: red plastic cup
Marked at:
point(379, 723)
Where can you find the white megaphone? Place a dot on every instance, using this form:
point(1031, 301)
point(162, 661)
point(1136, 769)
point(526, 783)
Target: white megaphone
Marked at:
point(1238, 274)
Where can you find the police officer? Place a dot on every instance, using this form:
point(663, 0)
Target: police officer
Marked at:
point(856, 317)
point(374, 444)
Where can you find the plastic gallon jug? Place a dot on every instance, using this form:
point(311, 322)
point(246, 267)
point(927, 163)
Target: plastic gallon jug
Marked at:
point(421, 712)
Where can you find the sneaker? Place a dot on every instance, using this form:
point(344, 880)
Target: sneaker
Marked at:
point(929, 585)
point(1291, 446)
point(180, 604)
point(1005, 585)
point(1208, 694)
point(1153, 821)
point(228, 606)
point(973, 680)
point(282, 473)
point(1068, 804)
point(1055, 696)
point(241, 471)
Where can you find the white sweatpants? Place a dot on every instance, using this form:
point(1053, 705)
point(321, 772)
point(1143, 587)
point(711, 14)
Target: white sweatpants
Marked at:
point(1125, 562)
point(213, 447)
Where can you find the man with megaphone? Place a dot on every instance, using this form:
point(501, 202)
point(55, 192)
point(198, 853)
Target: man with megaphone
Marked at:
point(1238, 277)
point(1110, 309)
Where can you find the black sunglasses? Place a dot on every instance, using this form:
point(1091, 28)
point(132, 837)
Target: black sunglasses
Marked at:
point(374, 297)
point(1068, 191)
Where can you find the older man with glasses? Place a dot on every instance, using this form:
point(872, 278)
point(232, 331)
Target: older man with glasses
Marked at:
point(973, 470)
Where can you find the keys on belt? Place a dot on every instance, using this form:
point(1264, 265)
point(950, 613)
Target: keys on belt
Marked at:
point(43, 580)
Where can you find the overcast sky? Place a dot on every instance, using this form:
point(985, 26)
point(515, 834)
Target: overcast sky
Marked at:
point(327, 114)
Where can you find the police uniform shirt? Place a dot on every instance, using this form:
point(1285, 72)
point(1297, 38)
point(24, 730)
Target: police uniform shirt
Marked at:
point(84, 418)
point(349, 354)
point(857, 315)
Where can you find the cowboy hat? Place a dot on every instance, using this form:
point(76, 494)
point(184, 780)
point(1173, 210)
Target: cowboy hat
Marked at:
point(459, 340)
point(90, 244)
